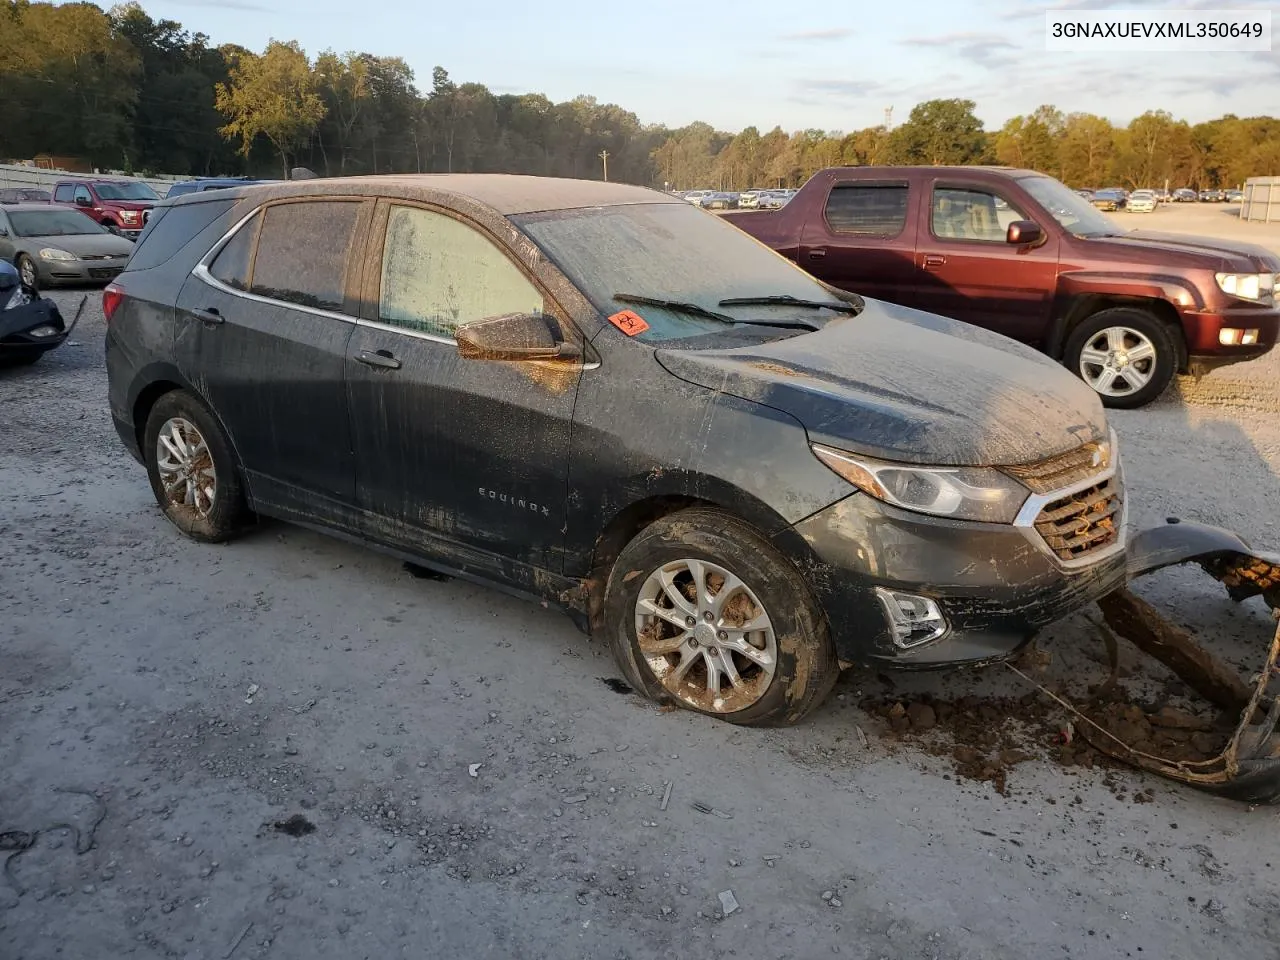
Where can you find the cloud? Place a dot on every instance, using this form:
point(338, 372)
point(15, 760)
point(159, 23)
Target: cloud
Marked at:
point(830, 33)
point(982, 48)
point(843, 89)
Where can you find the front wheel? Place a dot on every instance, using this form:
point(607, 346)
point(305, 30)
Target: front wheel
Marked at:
point(1128, 356)
point(193, 472)
point(702, 611)
point(27, 271)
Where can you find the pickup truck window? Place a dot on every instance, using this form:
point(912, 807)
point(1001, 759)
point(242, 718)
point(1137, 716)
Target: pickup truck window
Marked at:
point(1076, 214)
point(82, 193)
point(971, 213)
point(878, 209)
point(64, 193)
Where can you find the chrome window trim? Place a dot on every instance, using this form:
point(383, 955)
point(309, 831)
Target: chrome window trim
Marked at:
point(1025, 521)
point(202, 273)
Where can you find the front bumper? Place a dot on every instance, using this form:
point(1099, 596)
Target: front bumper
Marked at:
point(80, 271)
point(996, 584)
point(1202, 329)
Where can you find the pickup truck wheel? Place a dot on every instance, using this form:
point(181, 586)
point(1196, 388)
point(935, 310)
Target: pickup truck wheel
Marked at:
point(1126, 355)
point(703, 612)
point(194, 474)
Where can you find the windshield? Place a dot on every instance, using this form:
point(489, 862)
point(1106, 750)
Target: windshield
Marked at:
point(1073, 211)
point(673, 252)
point(126, 191)
point(52, 223)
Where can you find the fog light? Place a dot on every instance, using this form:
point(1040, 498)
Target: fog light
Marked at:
point(45, 331)
point(1235, 337)
point(915, 620)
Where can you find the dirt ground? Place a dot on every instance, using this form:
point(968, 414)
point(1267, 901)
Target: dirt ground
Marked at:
point(222, 701)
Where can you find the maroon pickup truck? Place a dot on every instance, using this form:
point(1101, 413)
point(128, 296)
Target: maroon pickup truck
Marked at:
point(1020, 253)
point(121, 206)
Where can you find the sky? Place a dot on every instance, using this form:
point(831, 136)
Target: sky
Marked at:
point(735, 63)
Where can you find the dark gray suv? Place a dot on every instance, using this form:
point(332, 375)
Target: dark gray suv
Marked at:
point(606, 399)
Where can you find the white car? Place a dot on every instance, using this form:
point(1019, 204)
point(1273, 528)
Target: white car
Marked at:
point(1142, 201)
point(697, 196)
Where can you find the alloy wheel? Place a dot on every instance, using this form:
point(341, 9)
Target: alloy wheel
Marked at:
point(706, 636)
point(1118, 361)
point(186, 466)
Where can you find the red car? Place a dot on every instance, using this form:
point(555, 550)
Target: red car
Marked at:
point(1022, 254)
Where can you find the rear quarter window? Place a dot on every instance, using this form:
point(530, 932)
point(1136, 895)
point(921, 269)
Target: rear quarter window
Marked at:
point(172, 228)
point(878, 209)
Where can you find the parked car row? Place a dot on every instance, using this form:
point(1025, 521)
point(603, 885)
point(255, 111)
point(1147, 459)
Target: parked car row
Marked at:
point(756, 199)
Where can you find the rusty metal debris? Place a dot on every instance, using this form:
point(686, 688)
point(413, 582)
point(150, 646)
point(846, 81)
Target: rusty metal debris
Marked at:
point(1247, 768)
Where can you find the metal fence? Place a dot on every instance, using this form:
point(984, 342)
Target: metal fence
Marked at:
point(23, 176)
point(1261, 199)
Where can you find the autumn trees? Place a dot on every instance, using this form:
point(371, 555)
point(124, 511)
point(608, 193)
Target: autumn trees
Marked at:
point(126, 91)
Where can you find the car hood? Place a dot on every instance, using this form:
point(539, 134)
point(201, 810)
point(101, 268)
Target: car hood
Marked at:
point(129, 204)
point(1175, 249)
point(904, 385)
point(84, 244)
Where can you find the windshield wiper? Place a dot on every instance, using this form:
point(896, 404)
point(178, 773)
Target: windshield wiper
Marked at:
point(786, 300)
point(701, 311)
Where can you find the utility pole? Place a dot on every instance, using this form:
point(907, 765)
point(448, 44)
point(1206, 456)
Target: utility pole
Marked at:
point(604, 155)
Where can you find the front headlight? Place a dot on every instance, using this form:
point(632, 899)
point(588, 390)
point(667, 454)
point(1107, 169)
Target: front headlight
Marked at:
point(53, 253)
point(1248, 286)
point(961, 493)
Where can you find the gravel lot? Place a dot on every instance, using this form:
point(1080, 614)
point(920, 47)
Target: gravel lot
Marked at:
point(207, 693)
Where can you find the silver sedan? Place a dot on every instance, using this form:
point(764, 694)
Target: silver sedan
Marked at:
point(51, 245)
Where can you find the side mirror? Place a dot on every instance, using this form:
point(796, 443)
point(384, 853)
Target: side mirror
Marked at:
point(512, 336)
point(83, 202)
point(4, 231)
point(1023, 232)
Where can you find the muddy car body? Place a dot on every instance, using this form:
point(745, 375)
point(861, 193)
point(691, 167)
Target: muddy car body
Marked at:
point(737, 494)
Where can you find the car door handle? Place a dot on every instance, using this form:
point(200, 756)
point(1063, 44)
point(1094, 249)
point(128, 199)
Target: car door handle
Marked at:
point(379, 358)
point(209, 316)
point(817, 253)
point(934, 260)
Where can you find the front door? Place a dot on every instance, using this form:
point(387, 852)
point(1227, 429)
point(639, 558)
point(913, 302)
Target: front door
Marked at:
point(967, 270)
point(262, 331)
point(864, 240)
point(463, 459)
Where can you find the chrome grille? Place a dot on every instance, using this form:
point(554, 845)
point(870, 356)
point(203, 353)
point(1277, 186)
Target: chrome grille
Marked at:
point(1079, 524)
point(1060, 472)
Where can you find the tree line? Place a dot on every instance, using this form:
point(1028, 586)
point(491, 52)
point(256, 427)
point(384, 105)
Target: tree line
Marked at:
point(122, 90)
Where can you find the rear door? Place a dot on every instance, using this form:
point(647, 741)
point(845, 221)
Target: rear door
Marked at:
point(7, 250)
point(862, 239)
point(967, 270)
point(262, 330)
point(451, 452)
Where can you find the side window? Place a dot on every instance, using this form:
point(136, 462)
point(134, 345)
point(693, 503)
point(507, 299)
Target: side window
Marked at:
point(64, 193)
point(231, 265)
point(303, 250)
point(438, 273)
point(876, 209)
point(82, 193)
point(971, 213)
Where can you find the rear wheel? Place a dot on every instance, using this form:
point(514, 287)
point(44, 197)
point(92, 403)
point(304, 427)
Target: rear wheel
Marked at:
point(702, 611)
point(1128, 356)
point(194, 474)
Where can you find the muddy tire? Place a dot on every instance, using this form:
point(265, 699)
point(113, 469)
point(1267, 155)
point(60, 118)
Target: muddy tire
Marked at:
point(749, 645)
point(194, 473)
point(1128, 356)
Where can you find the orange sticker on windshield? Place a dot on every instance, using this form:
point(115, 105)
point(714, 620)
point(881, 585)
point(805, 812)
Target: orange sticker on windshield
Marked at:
point(629, 322)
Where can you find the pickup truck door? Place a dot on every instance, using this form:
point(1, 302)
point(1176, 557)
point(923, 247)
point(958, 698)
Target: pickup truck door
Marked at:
point(967, 270)
point(861, 237)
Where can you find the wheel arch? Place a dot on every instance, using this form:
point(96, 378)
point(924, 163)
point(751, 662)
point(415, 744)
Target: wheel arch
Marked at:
point(1076, 309)
point(162, 381)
